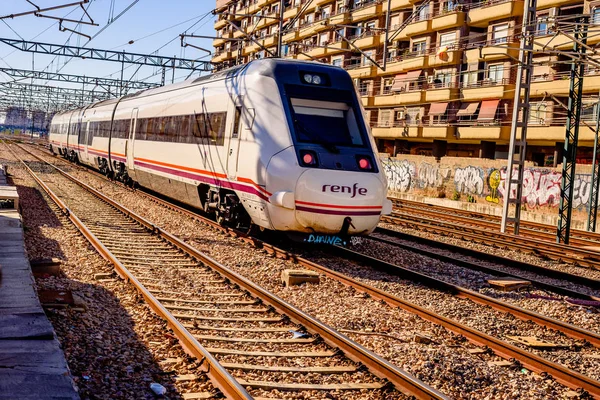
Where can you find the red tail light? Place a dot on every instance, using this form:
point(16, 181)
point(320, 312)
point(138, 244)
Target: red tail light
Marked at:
point(309, 158)
point(364, 163)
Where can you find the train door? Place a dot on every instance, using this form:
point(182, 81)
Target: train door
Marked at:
point(234, 140)
point(129, 144)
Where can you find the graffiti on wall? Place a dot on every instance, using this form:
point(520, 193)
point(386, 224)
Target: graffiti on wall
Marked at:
point(469, 180)
point(541, 187)
point(404, 175)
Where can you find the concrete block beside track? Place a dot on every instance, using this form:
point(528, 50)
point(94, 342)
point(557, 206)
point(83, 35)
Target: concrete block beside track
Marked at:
point(32, 365)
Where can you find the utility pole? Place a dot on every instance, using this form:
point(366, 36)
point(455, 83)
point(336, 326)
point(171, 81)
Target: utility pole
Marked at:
point(595, 180)
point(565, 209)
point(517, 147)
point(280, 32)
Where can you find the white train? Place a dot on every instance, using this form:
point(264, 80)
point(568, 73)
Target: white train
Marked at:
point(279, 144)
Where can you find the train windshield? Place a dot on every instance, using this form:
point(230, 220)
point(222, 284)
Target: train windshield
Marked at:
point(325, 120)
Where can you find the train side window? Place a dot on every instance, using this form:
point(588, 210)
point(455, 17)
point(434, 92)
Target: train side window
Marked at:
point(217, 128)
point(140, 129)
point(236, 122)
point(184, 129)
point(90, 133)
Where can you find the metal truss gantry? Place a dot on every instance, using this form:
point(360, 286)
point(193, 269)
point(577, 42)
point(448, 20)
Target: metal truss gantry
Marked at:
point(108, 55)
point(103, 83)
point(520, 119)
point(565, 208)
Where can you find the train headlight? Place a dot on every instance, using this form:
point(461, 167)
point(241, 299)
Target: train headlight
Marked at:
point(312, 79)
point(364, 163)
point(309, 158)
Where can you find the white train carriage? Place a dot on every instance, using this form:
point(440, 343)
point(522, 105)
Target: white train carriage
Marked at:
point(277, 143)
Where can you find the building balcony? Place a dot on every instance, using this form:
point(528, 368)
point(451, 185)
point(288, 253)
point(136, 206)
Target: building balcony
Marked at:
point(366, 12)
point(558, 42)
point(418, 62)
point(483, 132)
point(445, 59)
point(367, 101)
point(449, 19)
point(555, 3)
point(418, 28)
point(362, 71)
point(291, 12)
point(220, 41)
point(291, 36)
point(494, 10)
point(221, 23)
point(489, 90)
point(415, 96)
point(397, 132)
point(222, 56)
point(397, 4)
point(559, 85)
point(340, 19)
point(238, 34)
point(312, 29)
point(368, 41)
point(493, 51)
point(433, 94)
point(556, 133)
point(438, 132)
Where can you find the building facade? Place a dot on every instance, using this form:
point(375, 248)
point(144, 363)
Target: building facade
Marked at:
point(448, 85)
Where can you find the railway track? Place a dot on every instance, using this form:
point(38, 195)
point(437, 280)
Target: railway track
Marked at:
point(545, 249)
point(514, 269)
point(500, 347)
point(238, 330)
point(579, 236)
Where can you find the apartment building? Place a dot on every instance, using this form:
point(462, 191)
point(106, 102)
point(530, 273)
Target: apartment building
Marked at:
point(448, 84)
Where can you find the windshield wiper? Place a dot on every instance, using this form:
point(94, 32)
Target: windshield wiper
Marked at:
point(332, 148)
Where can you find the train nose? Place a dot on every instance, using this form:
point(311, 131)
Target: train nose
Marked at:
point(325, 198)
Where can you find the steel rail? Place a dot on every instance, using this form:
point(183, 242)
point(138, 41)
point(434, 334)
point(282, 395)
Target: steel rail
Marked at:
point(529, 225)
point(508, 241)
point(218, 375)
point(376, 364)
point(548, 272)
point(501, 348)
point(521, 313)
point(490, 225)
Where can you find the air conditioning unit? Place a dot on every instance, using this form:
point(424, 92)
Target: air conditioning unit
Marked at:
point(430, 79)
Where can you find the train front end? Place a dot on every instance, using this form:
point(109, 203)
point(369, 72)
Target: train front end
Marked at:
point(340, 189)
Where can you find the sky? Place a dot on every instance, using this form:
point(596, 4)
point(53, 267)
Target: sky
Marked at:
point(151, 24)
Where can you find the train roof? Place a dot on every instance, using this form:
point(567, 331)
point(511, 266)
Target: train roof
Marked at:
point(265, 67)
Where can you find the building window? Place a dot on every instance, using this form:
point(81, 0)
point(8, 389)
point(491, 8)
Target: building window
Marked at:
point(412, 115)
point(496, 73)
point(365, 59)
point(419, 47)
point(589, 112)
point(423, 13)
point(387, 85)
point(596, 16)
point(537, 114)
point(443, 79)
point(447, 39)
point(500, 33)
point(543, 24)
point(448, 6)
point(384, 118)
